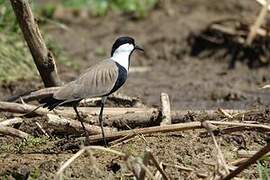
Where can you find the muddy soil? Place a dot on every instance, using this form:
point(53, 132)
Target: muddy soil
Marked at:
point(191, 82)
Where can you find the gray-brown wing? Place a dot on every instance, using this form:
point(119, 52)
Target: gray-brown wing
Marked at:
point(97, 81)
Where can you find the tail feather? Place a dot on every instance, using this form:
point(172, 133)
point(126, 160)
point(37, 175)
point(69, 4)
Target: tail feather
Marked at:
point(50, 102)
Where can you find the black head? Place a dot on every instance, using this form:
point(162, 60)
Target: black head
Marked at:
point(124, 40)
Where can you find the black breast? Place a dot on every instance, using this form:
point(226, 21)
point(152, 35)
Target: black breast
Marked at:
point(122, 77)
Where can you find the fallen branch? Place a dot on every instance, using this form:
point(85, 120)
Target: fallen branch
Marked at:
point(149, 130)
point(119, 117)
point(167, 128)
point(249, 162)
point(61, 124)
point(11, 122)
point(13, 132)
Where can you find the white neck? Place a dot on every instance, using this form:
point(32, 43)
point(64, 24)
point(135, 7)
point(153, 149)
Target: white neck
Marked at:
point(122, 59)
point(121, 55)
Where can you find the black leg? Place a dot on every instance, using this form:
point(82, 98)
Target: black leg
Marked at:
point(101, 120)
point(81, 120)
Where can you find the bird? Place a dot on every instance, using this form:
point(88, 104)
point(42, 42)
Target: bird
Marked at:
point(100, 80)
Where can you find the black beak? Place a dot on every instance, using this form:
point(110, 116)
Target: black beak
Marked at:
point(139, 48)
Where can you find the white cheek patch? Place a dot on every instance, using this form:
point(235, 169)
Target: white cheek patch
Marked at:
point(121, 55)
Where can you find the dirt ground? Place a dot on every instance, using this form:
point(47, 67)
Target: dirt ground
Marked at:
point(192, 83)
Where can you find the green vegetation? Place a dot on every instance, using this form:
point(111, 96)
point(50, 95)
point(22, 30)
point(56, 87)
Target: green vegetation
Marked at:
point(35, 174)
point(31, 143)
point(16, 62)
point(263, 169)
point(139, 8)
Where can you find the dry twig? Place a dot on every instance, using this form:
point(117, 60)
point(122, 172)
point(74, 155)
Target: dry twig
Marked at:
point(42, 130)
point(80, 152)
point(220, 157)
point(249, 162)
point(160, 169)
point(258, 23)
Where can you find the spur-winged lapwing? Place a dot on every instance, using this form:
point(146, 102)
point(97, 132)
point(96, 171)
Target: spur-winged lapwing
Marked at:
point(100, 80)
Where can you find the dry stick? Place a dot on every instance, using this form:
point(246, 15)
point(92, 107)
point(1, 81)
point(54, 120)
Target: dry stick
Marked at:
point(43, 58)
point(145, 162)
point(249, 162)
point(149, 130)
point(247, 154)
point(123, 140)
point(258, 23)
point(42, 130)
point(158, 166)
point(166, 109)
point(68, 162)
point(222, 159)
point(13, 132)
point(11, 122)
point(238, 161)
point(158, 175)
point(263, 2)
point(225, 113)
point(171, 128)
point(69, 125)
point(209, 128)
point(259, 126)
point(80, 152)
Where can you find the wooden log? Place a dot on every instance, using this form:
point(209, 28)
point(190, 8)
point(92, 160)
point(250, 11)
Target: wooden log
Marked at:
point(11, 122)
point(61, 124)
point(43, 58)
point(119, 117)
point(13, 132)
